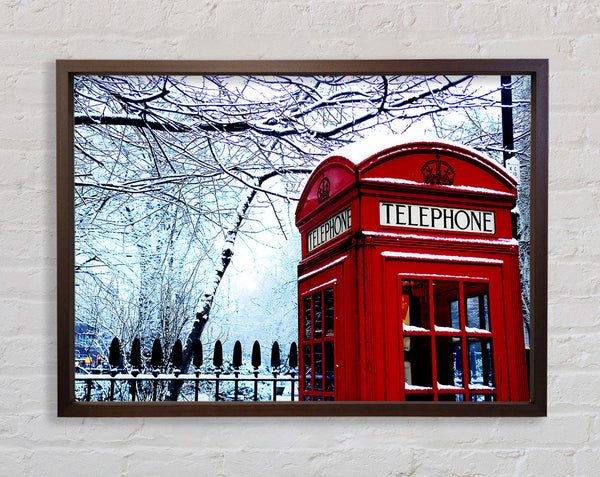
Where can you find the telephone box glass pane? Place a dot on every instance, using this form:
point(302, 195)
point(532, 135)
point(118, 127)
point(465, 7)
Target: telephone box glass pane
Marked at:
point(451, 397)
point(307, 367)
point(419, 397)
point(329, 367)
point(329, 311)
point(482, 397)
point(477, 306)
point(481, 365)
point(414, 304)
point(445, 306)
point(448, 351)
point(417, 361)
point(318, 354)
point(307, 318)
point(318, 309)
point(454, 314)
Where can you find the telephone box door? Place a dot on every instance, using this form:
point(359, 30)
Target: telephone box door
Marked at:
point(446, 339)
point(321, 338)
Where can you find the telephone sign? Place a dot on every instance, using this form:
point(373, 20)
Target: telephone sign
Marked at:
point(330, 229)
point(425, 216)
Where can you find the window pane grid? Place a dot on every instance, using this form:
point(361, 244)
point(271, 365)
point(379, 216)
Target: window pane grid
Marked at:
point(318, 345)
point(460, 356)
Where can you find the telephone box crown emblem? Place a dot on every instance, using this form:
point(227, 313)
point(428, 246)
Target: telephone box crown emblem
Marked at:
point(323, 190)
point(438, 172)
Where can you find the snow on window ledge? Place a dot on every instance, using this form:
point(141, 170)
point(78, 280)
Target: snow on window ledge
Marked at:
point(449, 387)
point(412, 387)
point(446, 329)
point(477, 330)
point(481, 387)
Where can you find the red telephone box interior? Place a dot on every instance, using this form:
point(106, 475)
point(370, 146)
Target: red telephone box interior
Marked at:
point(409, 285)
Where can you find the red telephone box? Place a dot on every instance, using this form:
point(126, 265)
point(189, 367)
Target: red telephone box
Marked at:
point(409, 284)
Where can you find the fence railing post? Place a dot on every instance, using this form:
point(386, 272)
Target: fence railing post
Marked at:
point(88, 390)
point(237, 362)
point(197, 362)
point(218, 364)
point(293, 363)
point(256, 365)
point(114, 360)
point(156, 362)
point(275, 364)
point(136, 364)
point(133, 388)
point(177, 360)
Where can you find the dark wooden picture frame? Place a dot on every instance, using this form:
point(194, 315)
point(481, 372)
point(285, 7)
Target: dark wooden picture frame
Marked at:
point(66, 70)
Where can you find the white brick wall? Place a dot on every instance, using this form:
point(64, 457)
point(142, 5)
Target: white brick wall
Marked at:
point(35, 33)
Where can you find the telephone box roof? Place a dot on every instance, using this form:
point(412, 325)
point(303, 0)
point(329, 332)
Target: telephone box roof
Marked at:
point(364, 148)
point(361, 162)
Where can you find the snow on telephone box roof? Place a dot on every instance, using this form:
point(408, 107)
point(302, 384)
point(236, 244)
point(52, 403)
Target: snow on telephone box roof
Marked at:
point(386, 161)
point(361, 150)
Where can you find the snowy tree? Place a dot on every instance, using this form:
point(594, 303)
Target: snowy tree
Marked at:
point(481, 128)
point(170, 169)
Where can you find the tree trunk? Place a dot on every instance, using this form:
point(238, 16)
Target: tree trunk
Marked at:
point(210, 291)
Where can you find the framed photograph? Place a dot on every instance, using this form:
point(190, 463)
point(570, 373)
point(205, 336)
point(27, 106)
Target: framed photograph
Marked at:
point(302, 238)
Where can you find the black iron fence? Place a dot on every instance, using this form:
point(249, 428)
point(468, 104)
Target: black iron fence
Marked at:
point(161, 379)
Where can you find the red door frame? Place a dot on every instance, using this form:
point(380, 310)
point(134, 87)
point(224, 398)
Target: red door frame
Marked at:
point(329, 275)
point(477, 269)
